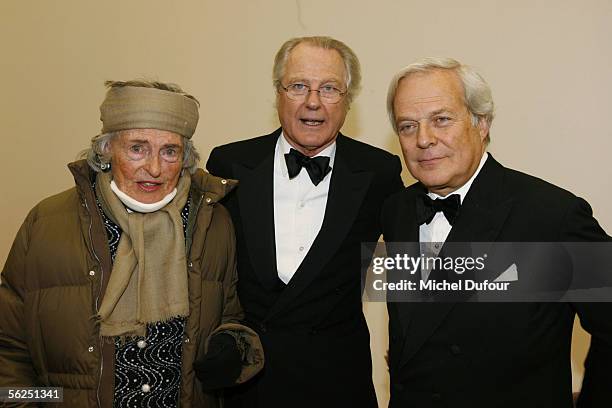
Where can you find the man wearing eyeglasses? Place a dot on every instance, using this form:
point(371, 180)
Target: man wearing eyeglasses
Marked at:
point(308, 196)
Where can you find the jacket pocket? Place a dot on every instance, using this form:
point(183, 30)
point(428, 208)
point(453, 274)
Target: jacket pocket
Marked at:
point(66, 324)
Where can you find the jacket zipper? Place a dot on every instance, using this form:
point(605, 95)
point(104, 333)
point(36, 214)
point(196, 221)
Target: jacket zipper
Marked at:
point(93, 251)
point(190, 224)
point(197, 208)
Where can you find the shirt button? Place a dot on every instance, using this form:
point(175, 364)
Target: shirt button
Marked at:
point(191, 264)
point(92, 273)
point(90, 349)
point(187, 340)
point(301, 248)
point(141, 344)
point(208, 199)
point(145, 388)
point(455, 349)
point(224, 181)
point(301, 205)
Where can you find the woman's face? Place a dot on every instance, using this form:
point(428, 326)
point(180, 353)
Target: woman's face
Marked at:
point(146, 163)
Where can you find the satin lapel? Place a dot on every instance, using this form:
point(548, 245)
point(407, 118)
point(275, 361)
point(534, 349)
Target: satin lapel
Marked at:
point(404, 227)
point(402, 236)
point(485, 208)
point(255, 199)
point(482, 215)
point(346, 192)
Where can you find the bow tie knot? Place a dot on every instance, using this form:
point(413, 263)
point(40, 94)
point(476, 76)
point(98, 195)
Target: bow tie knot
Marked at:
point(317, 167)
point(427, 208)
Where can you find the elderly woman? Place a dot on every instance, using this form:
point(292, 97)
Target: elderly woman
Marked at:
point(114, 288)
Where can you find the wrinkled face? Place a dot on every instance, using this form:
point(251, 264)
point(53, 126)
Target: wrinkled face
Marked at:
point(311, 125)
point(441, 146)
point(146, 163)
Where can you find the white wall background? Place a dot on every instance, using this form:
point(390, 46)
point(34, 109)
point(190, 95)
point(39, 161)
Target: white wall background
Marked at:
point(549, 64)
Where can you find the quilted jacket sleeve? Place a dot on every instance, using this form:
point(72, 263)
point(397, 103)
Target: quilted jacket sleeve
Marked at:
point(247, 340)
point(15, 362)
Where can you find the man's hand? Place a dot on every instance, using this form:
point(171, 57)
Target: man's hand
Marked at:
point(221, 365)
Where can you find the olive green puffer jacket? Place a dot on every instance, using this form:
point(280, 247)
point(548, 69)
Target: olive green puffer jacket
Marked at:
point(54, 280)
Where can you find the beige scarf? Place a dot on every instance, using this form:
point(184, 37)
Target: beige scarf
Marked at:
point(148, 282)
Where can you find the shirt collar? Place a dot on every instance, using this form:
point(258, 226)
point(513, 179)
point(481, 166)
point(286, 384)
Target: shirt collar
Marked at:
point(283, 147)
point(463, 190)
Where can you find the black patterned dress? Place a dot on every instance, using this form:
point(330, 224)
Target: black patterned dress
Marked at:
point(147, 369)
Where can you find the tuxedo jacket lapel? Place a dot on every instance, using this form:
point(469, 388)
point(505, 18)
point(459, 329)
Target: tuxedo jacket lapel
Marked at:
point(418, 319)
point(346, 192)
point(485, 207)
point(256, 203)
point(405, 228)
point(481, 217)
point(402, 236)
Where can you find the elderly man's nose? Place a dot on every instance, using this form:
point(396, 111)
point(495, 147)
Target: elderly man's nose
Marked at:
point(313, 99)
point(425, 137)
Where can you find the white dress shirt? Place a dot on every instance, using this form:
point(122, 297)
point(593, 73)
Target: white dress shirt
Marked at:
point(433, 235)
point(299, 208)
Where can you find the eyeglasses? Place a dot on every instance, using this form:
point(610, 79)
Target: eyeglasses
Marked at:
point(299, 92)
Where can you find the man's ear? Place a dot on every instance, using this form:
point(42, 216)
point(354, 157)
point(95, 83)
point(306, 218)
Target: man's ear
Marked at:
point(483, 128)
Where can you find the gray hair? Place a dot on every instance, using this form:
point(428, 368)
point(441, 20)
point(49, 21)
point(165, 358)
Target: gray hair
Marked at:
point(99, 157)
point(351, 62)
point(477, 93)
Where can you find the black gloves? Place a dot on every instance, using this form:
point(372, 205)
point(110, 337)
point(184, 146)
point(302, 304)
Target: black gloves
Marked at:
point(221, 365)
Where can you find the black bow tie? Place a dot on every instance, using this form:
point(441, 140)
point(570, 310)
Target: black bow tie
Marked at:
point(426, 208)
point(317, 167)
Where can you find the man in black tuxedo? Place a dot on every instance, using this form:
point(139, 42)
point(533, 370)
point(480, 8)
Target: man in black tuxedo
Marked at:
point(308, 196)
point(460, 354)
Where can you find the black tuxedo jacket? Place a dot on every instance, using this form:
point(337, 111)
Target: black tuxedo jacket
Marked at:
point(497, 354)
point(315, 338)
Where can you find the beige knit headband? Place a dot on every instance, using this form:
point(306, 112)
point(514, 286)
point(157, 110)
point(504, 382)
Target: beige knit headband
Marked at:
point(134, 107)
